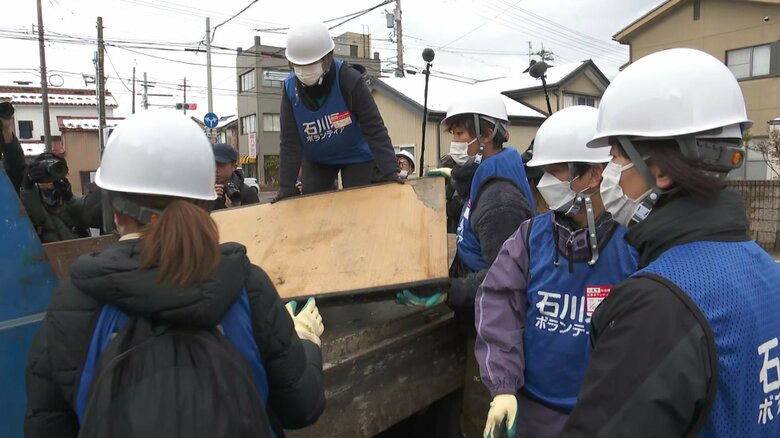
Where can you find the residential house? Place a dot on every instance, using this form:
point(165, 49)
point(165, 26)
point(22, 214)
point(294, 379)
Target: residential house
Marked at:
point(81, 147)
point(744, 34)
point(576, 83)
point(28, 103)
point(401, 100)
point(260, 72)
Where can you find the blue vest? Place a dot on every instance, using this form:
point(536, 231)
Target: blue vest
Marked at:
point(331, 134)
point(736, 286)
point(560, 305)
point(236, 324)
point(507, 165)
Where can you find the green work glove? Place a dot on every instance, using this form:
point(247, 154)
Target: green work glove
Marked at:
point(446, 172)
point(502, 416)
point(407, 298)
point(308, 322)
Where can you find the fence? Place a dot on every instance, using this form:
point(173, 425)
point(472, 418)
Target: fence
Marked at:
point(762, 205)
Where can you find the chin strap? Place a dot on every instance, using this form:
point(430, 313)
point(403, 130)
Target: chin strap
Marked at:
point(646, 205)
point(594, 242)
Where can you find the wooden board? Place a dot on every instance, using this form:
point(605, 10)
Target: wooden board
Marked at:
point(381, 237)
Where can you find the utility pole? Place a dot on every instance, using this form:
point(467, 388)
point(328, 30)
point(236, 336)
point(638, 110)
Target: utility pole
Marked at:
point(101, 86)
point(44, 81)
point(133, 90)
point(146, 95)
point(399, 40)
point(107, 213)
point(184, 107)
point(208, 64)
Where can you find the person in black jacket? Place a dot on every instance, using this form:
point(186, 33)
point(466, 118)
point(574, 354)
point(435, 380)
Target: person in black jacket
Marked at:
point(230, 187)
point(168, 267)
point(688, 345)
point(11, 152)
point(329, 120)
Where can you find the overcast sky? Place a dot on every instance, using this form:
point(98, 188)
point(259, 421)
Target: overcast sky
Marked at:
point(477, 39)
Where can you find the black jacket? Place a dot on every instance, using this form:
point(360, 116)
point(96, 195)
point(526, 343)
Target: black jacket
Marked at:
point(360, 102)
point(653, 363)
point(12, 155)
point(294, 367)
point(499, 209)
point(248, 194)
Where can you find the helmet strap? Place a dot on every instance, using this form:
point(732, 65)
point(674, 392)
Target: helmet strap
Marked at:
point(144, 215)
point(647, 204)
point(477, 130)
point(594, 242)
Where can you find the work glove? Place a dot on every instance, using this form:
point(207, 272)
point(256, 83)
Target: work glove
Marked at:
point(407, 298)
point(64, 189)
point(308, 322)
point(446, 172)
point(34, 173)
point(501, 417)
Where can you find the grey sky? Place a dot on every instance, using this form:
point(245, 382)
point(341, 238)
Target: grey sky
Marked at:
point(473, 38)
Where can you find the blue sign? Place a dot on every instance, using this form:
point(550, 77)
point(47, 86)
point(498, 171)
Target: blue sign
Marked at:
point(210, 120)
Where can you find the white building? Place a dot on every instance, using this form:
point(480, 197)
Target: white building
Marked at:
point(28, 118)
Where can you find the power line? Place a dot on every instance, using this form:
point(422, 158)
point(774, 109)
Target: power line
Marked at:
point(478, 27)
point(361, 14)
point(522, 24)
point(214, 29)
point(116, 72)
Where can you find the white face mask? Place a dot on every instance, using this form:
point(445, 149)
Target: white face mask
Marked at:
point(404, 174)
point(309, 74)
point(556, 193)
point(459, 151)
point(620, 206)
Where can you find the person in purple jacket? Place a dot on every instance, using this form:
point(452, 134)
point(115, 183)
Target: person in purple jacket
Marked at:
point(532, 311)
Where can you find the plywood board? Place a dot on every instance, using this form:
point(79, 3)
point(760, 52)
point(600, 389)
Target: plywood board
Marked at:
point(380, 237)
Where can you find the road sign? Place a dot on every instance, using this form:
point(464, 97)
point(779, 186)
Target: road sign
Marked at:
point(210, 120)
point(252, 146)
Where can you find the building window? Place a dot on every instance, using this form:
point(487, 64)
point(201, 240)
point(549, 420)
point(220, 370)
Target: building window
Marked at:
point(249, 124)
point(25, 129)
point(274, 78)
point(577, 99)
point(353, 51)
point(749, 62)
point(271, 123)
point(247, 80)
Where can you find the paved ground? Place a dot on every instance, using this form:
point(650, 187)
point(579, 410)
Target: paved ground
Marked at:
point(266, 197)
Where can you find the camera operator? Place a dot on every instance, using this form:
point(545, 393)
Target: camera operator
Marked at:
point(11, 152)
point(230, 187)
point(47, 196)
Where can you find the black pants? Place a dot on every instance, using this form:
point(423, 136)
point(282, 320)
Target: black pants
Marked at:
point(322, 177)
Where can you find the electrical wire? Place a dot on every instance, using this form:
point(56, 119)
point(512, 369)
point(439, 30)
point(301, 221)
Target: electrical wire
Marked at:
point(214, 29)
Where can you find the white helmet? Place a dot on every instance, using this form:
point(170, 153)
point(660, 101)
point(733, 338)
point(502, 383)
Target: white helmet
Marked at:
point(485, 104)
point(563, 137)
point(158, 153)
point(668, 94)
point(308, 42)
point(408, 155)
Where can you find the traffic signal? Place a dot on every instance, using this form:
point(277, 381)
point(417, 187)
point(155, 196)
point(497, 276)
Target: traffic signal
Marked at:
point(187, 106)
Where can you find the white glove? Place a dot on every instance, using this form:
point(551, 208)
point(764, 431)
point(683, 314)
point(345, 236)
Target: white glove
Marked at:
point(308, 322)
point(503, 407)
